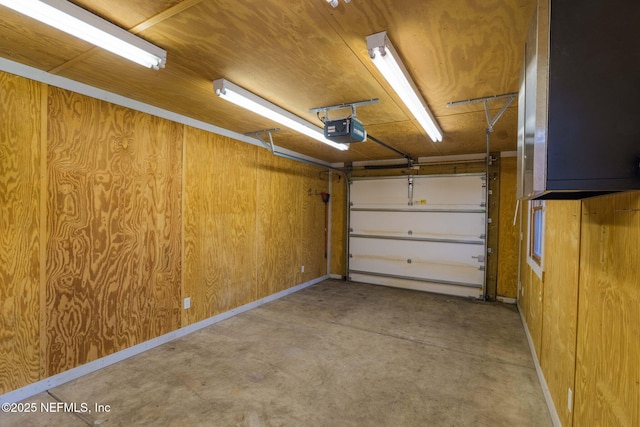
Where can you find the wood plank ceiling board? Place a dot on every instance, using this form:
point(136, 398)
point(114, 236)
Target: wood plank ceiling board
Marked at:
point(403, 136)
point(29, 42)
point(300, 55)
point(282, 53)
point(468, 135)
point(454, 50)
point(126, 13)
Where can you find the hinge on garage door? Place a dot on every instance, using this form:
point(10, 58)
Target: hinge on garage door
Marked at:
point(480, 258)
point(483, 204)
point(481, 268)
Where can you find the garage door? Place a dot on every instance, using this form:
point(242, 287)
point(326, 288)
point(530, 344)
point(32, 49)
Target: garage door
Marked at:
point(422, 232)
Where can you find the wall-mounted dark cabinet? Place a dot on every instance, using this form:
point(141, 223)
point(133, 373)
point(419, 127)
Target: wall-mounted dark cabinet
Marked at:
point(579, 105)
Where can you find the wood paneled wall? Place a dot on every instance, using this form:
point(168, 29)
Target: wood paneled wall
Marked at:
point(608, 353)
point(560, 303)
point(339, 222)
point(312, 236)
point(508, 231)
point(20, 158)
point(531, 302)
point(113, 229)
point(110, 217)
point(585, 318)
point(252, 221)
point(220, 224)
point(290, 223)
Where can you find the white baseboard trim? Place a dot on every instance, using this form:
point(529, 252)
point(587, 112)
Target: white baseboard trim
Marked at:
point(507, 300)
point(335, 276)
point(72, 374)
point(543, 382)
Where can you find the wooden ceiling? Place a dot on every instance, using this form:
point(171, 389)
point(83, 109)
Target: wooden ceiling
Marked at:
point(301, 54)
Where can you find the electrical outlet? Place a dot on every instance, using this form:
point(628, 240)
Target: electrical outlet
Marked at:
point(570, 399)
point(187, 303)
point(303, 268)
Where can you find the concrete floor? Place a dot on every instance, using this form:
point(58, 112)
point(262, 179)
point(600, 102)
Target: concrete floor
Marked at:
point(334, 354)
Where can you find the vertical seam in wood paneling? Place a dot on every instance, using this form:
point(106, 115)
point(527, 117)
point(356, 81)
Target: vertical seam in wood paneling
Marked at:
point(575, 344)
point(183, 202)
point(254, 172)
point(44, 120)
point(255, 227)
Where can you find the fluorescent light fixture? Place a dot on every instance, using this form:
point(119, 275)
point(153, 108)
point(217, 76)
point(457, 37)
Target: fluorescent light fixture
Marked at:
point(245, 99)
point(80, 23)
point(386, 58)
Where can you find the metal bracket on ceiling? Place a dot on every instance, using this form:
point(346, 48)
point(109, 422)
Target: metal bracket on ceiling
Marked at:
point(491, 121)
point(259, 136)
point(351, 105)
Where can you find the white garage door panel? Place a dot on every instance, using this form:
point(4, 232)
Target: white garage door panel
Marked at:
point(423, 286)
point(445, 192)
point(458, 191)
point(446, 262)
point(390, 192)
point(424, 232)
point(429, 225)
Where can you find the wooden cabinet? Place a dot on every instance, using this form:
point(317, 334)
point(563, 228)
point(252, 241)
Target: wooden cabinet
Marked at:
point(580, 100)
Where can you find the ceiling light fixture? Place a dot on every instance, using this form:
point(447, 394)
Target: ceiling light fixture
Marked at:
point(80, 23)
point(387, 60)
point(245, 99)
